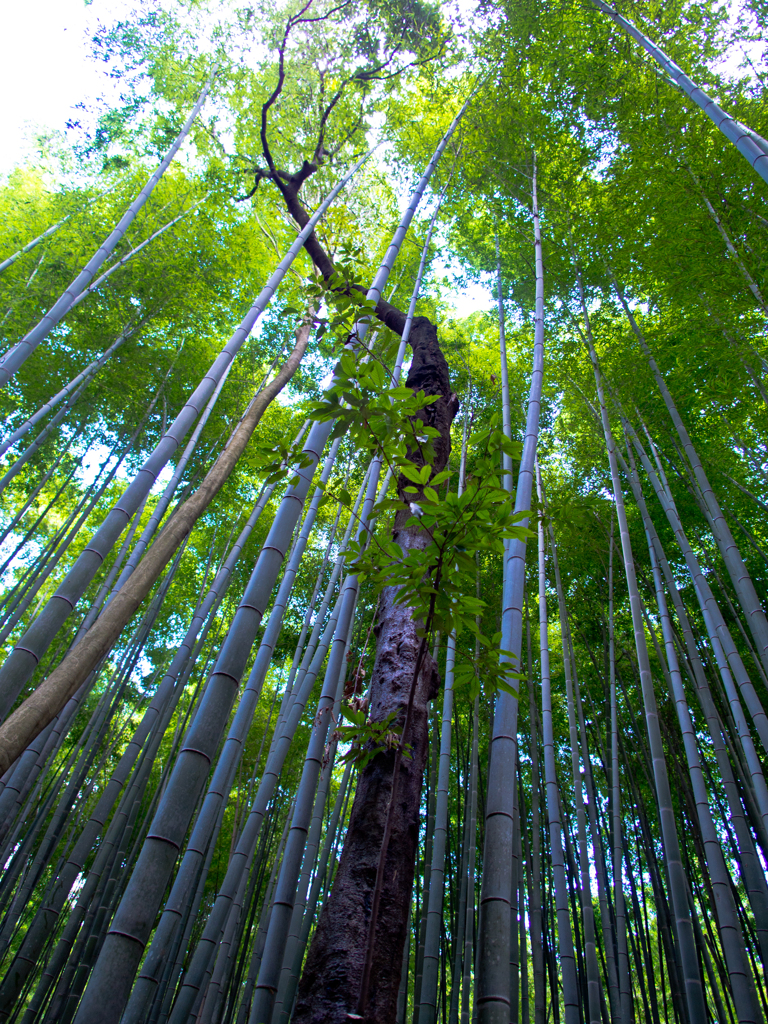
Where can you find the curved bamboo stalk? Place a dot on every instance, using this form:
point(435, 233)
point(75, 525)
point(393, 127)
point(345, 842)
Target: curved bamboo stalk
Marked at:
point(18, 355)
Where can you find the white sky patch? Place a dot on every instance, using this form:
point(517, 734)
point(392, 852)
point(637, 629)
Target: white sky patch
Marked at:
point(45, 69)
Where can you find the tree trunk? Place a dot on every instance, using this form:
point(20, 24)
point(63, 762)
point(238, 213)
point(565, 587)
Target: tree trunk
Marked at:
point(332, 977)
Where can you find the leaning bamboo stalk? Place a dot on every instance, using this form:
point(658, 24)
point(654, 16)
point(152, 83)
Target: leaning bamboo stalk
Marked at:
point(274, 948)
point(752, 872)
point(229, 758)
point(742, 582)
point(288, 977)
point(17, 356)
point(752, 146)
point(147, 980)
point(48, 699)
point(33, 244)
point(20, 665)
point(47, 476)
point(684, 929)
point(85, 376)
point(172, 682)
point(128, 256)
point(728, 659)
point(742, 985)
point(277, 936)
point(261, 934)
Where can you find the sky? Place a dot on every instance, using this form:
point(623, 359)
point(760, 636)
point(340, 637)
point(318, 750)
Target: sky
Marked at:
point(44, 68)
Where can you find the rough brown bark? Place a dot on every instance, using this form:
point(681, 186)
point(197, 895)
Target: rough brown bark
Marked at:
point(42, 706)
point(331, 982)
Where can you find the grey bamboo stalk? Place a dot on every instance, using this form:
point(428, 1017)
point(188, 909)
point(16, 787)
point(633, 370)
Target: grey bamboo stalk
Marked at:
point(461, 917)
point(155, 957)
point(261, 934)
point(594, 984)
point(752, 147)
point(514, 943)
point(85, 375)
point(683, 926)
point(128, 256)
point(317, 883)
point(625, 992)
point(421, 926)
point(727, 657)
point(232, 751)
point(606, 923)
point(756, 618)
point(534, 896)
point(269, 973)
point(431, 962)
point(34, 243)
point(17, 356)
point(22, 662)
point(188, 917)
point(753, 772)
point(291, 866)
point(224, 772)
point(742, 985)
point(313, 615)
point(469, 925)
point(287, 990)
point(494, 934)
point(506, 417)
point(567, 956)
point(299, 668)
point(754, 878)
point(67, 875)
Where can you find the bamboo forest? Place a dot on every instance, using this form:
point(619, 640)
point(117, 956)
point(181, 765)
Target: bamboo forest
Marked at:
point(383, 543)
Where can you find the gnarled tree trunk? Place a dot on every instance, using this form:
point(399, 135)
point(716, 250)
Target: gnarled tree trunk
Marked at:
point(332, 978)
